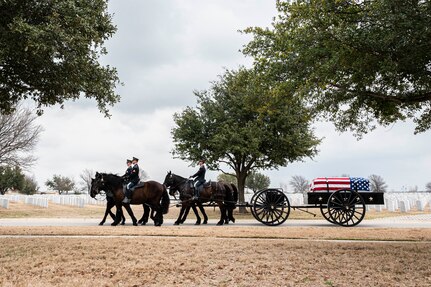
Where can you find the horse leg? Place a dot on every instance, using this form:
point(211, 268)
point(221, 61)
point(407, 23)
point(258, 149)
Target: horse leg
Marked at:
point(130, 212)
point(180, 216)
point(230, 214)
point(158, 220)
point(202, 209)
point(109, 205)
point(222, 213)
point(144, 218)
point(118, 215)
point(186, 213)
point(198, 218)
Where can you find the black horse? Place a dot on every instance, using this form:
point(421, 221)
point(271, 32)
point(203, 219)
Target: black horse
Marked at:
point(150, 193)
point(213, 191)
point(110, 203)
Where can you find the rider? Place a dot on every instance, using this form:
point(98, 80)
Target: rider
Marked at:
point(199, 178)
point(133, 179)
point(126, 175)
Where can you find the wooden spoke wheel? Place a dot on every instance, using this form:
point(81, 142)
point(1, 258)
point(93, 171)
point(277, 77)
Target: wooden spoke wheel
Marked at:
point(270, 207)
point(346, 207)
point(325, 213)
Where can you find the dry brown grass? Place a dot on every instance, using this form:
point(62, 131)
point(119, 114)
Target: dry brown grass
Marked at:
point(209, 261)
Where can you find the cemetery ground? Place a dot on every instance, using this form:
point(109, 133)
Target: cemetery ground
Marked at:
point(188, 255)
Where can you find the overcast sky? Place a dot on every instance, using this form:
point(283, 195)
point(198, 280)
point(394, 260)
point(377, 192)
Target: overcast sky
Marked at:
point(164, 50)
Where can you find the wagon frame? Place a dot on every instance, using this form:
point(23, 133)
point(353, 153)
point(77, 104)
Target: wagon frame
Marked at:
point(344, 207)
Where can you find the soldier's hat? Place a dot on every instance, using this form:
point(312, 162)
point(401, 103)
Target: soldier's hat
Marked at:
point(134, 158)
point(128, 160)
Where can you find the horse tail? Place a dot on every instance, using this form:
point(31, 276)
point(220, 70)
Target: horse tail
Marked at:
point(165, 200)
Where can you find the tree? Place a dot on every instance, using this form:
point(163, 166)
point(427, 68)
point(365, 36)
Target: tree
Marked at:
point(299, 184)
point(10, 178)
point(30, 186)
point(19, 135)
point(86, 177)
point(377, 183)
point(49, 53)
point(227, 178)
point(428, 187)
point(243, 124)
point(357, 63)
point(257, 181)
point(60, 184)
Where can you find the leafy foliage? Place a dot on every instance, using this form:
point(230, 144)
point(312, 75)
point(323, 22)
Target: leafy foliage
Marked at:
point(229, 178)
point(11, 178)
point(242, 123)
point(61, 184)
point(257, 181)
point(428, 187)
point(299, 184)
point(49, 53)
point(377, 183)
point(30, 186)
point(356, 63)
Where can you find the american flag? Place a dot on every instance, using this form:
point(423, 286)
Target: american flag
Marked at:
point(336, 183)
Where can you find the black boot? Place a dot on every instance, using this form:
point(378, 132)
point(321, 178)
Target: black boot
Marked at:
point(128, 196)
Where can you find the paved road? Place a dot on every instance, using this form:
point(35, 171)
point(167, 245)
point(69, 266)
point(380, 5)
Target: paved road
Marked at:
point(408, 221)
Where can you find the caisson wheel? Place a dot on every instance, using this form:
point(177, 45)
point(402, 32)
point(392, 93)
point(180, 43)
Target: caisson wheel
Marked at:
point(346, 207)
point(271, 207)
point(325, 213)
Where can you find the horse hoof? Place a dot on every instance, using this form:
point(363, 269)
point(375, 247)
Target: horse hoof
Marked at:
point(135, 224)
point(205, 222)
point(219, 223)
point(140, 221)
point(143, 223)
point(233, 220)
point(114, 224)
point(197, 223)
point(101, 223)
point(122, 223)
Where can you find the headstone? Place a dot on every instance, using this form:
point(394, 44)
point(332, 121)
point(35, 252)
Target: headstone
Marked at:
point(403, 206)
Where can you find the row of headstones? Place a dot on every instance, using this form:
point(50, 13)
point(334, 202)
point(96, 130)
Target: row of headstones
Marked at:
point(42, 200)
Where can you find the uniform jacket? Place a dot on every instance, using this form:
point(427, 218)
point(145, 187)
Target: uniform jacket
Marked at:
point(200, 174)
point(134, 174)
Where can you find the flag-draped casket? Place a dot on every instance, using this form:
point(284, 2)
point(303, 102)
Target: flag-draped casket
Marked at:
point(322, 187)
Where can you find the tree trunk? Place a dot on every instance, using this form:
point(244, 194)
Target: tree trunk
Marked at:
point(241, 176)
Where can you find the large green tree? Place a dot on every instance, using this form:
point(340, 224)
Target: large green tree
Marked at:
point(358, 63)
point(243, 124)
point(49, 53)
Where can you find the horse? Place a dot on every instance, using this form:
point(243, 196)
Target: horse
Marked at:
point(150, 193)
point(186, 203)
point(110, 203)
point(212, 191)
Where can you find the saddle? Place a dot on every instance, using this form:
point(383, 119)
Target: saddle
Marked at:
point(140, 184)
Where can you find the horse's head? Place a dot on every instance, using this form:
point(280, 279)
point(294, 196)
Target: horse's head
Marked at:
point(96, 184)
point(169, 179)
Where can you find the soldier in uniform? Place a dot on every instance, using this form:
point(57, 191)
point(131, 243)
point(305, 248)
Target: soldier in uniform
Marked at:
point(133, 179)
point(126, 175)
point(199, 178)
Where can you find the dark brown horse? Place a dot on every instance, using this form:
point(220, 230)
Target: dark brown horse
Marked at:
point(213, 191)
point(110, 203)
point(150, 193)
